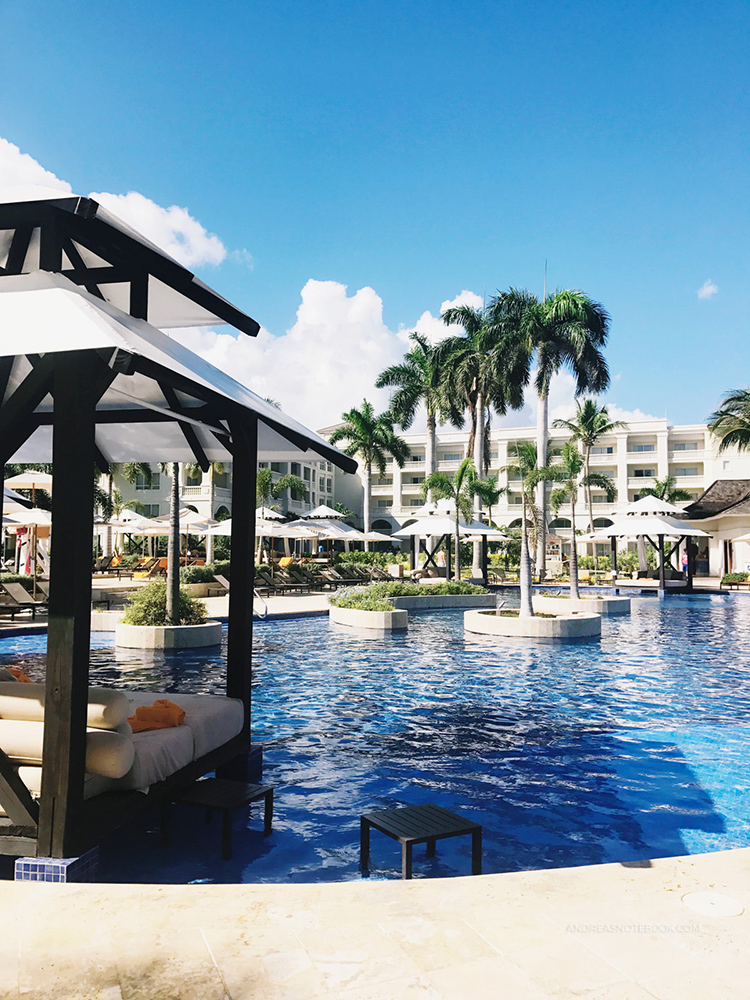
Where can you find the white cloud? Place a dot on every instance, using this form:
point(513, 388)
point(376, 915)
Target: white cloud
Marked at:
point(173, 229)
point(17, 168)
point(324, 364)
point(434, 328)
point(708, 289)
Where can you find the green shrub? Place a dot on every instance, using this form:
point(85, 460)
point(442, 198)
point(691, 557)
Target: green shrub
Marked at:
point(23, 578)
point(222, 568)
point(149, 607)
point(734, 578)
point(380, 592)
point(198, 574)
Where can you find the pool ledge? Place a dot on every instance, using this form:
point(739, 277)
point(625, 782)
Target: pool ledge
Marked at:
point(607, 930)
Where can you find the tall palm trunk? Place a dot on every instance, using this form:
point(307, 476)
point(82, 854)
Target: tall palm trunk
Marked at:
point(430, 449)
point(573, 549)
point(589, 500)
point(457, 547)
point(476, 558)
point(527, 608)
point(173, 549)
point(542, 436)
point(367, 488)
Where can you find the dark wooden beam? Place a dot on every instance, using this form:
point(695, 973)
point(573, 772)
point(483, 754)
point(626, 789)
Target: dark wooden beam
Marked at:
point(78, 383)
point(139, 296)
point(16, 799)
point(244, 430)
point(50, 244)
point(188, 430)
point(99, 275)
point(19, 247)
point(76, 260)
point(17, 421)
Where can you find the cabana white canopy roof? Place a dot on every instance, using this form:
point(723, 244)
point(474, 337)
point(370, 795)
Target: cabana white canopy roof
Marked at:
point(324, 511)
point(43, 313)
point(99, 251)
point(653, 525)
point(649, 505)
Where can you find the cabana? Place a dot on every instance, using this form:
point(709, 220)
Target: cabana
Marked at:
point(86, 379)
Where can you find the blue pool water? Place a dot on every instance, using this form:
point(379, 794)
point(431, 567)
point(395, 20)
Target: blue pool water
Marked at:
point(633, 746)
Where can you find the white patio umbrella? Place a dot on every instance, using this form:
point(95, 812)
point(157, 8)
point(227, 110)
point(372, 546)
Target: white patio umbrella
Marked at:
point(32, 479)
point(647, 524)
point(268, 514)
point(650, 505)
point(322, 510)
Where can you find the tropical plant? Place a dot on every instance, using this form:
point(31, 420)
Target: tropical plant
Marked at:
point(589, 425)
point(666, 489)
point(563, 330)
point(372, 438)
point(267, 489)
point(526, 469)
point(731, 422)
point(568, 474)
point(423, 377)
point(149, 606)
point(489, 492)
point(459, 489)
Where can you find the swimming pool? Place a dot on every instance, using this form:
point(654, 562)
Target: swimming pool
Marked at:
point(636, 745)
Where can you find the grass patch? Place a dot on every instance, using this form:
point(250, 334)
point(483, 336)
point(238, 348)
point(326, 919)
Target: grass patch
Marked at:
point(514, 614)
point(375, 596)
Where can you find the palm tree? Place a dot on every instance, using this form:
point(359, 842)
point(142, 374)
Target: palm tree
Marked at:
point(371, 438)
point(527, 470)
point(489, 492)
point(590, 423)
point(568, 473)
point(461, 491)
point(564, 330)
point(731, 422)
point(487, 370)
point(422, 377)
point(266, 489)
point(666, 489)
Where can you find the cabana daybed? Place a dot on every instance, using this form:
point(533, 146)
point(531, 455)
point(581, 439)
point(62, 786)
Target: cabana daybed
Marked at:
point(86, 379)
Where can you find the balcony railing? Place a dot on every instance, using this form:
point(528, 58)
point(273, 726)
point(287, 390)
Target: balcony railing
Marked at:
point(687, 456)
point(689, 480)
point(640, 482)
point(381, 491)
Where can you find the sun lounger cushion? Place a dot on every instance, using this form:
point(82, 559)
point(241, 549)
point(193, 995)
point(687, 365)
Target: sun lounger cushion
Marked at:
point(108, 754)
point(212, 719)
point(107, 708)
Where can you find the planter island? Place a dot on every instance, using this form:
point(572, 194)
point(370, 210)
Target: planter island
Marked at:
point(398, 618)
point(167, 636)
point(576, 625)
point(382, 621)
point(596, 605)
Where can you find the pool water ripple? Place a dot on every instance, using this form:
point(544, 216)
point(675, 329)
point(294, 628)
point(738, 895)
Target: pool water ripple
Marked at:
point(635, 745)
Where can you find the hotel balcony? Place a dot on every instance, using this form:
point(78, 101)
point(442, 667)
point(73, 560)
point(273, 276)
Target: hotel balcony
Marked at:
point(640, 482)
point(686, 481)
point(411, 489)
point(687, 457)
point(382, 491)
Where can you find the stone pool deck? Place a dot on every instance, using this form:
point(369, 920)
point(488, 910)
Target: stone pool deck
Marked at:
point(606, 932)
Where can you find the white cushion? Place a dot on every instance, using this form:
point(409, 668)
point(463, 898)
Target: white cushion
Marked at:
point(107, 753)
point(158, 754)
point(107, 708)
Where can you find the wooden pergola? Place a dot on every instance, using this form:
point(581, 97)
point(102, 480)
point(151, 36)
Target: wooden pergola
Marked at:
point(87, 377)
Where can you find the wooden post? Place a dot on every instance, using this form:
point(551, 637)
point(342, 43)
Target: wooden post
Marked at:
point(662, 577)
point(69, 629)
point(242, 561)
point(613, 546)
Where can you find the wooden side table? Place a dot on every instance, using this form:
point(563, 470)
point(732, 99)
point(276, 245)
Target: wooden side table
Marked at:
point(223, 794)
point(423, 824)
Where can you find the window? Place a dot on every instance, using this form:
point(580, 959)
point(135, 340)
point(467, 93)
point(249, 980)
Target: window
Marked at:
point(141, 484)
point(685, 446)
point(456, 456)
point(604, 449)
point(416, 479)
point(599, 498)
point(515, 500)
point(313, 475)
point(195, 479)
point(644, 447)
point(330, 486)
point(278, 466)
point(262, 465)
point(296, 495)
point(416, 503)
point(151, 510)
point(687, 470)
point(221, 479)
point(384, 503)
point(382, 481)
point(417, 458)
point(306, 474)
point(329, 467)
point(644, 473)
point(296, 470)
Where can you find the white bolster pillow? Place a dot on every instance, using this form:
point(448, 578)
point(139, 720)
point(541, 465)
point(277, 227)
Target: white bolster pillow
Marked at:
point(107, 708)
point(107, 753)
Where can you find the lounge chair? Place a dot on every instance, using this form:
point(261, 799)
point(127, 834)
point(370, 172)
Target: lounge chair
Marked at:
point(276, 585)
point(21, 600)
point(104, 564)
point(151, 568)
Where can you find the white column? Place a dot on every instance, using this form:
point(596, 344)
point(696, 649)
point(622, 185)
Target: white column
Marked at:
point(622, 469)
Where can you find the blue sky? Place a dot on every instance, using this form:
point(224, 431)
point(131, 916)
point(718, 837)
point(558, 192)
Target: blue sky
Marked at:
point(419, 149)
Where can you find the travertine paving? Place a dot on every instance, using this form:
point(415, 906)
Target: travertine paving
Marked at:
point(608, 932)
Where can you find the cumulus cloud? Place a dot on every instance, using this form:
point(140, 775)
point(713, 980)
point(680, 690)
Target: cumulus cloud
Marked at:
point(434, 328)
point(173, 229)
point(708, 289)
point(17, 168)
point(324, 364)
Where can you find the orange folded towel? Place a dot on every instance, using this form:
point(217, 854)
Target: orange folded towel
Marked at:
point(19, 675)
point(163, 714)
point(286, 561)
